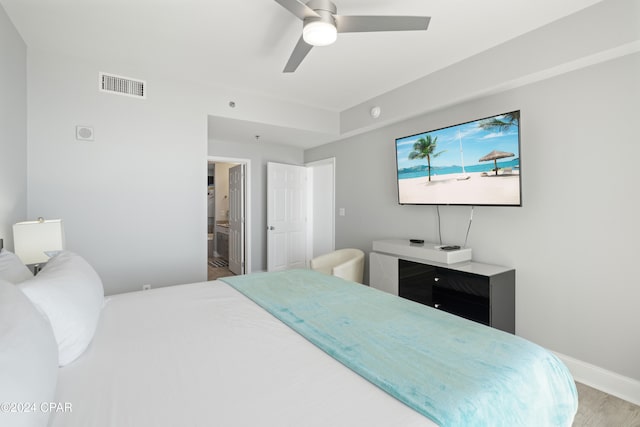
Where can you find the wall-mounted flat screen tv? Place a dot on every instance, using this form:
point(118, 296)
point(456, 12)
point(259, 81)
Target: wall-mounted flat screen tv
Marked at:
point(474, 163)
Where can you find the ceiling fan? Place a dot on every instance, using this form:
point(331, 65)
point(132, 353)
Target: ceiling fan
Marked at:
point(321, 23)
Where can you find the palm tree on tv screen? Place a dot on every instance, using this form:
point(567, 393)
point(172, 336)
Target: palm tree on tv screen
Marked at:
point(504, 123)
point(425, 147)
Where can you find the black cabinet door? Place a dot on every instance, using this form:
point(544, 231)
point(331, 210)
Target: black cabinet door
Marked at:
point(415, 281)
point(463, 294)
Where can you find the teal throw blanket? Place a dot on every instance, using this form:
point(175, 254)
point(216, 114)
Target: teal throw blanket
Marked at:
point(454, 371)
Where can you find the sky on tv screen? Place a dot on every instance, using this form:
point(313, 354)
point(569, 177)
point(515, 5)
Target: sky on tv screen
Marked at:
point(460, 145)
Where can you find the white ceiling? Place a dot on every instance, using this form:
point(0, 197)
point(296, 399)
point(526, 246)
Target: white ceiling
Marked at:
point(244, 45)
point(235, 130)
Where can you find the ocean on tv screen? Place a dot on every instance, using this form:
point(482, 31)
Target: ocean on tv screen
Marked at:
point(473, 163)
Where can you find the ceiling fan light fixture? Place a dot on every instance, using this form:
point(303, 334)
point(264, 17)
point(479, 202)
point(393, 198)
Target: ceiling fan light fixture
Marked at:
point(321, 24)
point(319, 33)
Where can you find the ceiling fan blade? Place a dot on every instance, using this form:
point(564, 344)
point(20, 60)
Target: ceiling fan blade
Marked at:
point(298, 54)
point(298, 8)
point(358, 24)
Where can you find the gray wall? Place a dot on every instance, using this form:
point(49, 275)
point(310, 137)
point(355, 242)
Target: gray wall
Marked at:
point(132, 201)
point(13, 129)
point(572, 242)
point(259, 153)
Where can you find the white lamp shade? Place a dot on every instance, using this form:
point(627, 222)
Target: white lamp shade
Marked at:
point(319, 33)
point(32, 239)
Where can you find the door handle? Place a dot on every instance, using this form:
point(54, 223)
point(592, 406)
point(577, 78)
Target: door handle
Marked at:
point(271, 227)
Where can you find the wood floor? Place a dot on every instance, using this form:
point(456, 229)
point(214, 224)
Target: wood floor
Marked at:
point(596, 409)
point(599, 409)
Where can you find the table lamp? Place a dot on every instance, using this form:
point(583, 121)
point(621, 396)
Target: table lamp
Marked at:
point(33, 240)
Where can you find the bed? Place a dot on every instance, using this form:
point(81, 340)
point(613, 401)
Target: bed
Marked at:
point(294, 348)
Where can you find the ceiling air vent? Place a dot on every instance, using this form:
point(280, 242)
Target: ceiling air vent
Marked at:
point(122, 85)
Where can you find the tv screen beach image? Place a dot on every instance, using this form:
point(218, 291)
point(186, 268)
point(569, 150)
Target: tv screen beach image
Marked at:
point(473, 163)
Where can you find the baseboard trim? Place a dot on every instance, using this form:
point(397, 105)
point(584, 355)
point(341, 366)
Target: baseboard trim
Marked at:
point(610, 382)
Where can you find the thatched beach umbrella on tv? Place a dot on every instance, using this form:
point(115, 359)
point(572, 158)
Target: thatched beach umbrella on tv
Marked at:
point(495, 155)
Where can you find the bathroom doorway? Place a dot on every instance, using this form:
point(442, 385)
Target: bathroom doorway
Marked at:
point(227, 217)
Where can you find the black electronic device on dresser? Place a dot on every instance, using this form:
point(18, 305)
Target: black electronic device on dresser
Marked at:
point(487, 298)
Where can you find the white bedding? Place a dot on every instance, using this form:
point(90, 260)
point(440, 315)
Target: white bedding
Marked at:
point(205, 355)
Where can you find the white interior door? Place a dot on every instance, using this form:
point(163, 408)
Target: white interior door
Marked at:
point(286, 216)
point(236, 219)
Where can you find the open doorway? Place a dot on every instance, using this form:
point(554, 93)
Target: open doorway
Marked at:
point(227, 217)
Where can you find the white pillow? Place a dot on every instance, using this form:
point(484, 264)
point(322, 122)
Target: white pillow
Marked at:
point(70, 293)
point(12, 269)
point(28, 360)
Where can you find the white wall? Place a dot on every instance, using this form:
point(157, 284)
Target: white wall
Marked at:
point(132, 200)
point(572, 243)
point(259, 153)
point(13, 129)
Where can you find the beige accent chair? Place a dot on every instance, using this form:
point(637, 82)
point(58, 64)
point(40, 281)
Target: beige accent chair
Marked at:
point(345, 263)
